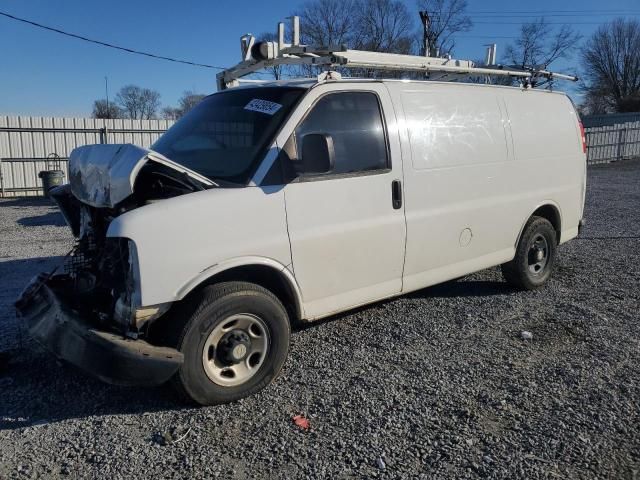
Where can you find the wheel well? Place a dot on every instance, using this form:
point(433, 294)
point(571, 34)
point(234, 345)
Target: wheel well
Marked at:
point(266, 277)
point(552, 214)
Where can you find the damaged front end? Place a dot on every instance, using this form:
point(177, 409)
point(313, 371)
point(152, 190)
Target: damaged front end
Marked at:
point(91, 313)
point(53, 322)
point(101, 273)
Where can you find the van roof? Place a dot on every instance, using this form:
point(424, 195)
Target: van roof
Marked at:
point(309, 83)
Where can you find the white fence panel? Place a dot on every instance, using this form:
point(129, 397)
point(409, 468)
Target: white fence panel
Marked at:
point(612, 137)
point(28, 145)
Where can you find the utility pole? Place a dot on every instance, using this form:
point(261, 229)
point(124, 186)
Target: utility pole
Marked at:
point(426, 25)
point(106, 92)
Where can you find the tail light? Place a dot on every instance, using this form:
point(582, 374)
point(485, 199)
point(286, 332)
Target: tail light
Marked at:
point(583, 138)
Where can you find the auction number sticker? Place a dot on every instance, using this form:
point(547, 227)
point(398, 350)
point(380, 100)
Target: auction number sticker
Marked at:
point(263, 106)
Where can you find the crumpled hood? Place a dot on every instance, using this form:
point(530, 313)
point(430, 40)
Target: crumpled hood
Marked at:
point(104, 175)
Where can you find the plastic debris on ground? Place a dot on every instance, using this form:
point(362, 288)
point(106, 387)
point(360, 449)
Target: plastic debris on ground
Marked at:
point(526, 335)
point(302, 422)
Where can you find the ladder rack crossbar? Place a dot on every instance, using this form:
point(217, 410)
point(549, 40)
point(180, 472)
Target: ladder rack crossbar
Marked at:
point(427, 67)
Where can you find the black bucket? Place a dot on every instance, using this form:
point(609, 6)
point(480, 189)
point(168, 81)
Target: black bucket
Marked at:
point(50, 179)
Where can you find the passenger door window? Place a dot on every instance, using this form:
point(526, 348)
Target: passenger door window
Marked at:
point(354, 121)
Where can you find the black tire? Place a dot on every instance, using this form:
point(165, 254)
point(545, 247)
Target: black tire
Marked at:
point(192, 323)
point(521, 271)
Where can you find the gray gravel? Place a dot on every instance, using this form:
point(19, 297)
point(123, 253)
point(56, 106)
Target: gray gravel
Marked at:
point(440, 384)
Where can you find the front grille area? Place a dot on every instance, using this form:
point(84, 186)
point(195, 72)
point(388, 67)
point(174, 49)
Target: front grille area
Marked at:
point(82, 257)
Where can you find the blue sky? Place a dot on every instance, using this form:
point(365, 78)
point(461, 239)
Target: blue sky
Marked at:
point(44, 73)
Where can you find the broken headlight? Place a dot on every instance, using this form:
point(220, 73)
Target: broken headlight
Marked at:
point(128, 311)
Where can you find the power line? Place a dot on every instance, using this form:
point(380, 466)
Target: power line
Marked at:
point(546, 23)
point(511, 19)
point(500, 37)
point(547, 12)
point(520, 18)
point(554, 15)
point(105, 44)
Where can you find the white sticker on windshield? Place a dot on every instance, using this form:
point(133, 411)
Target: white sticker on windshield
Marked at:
point(263, 106)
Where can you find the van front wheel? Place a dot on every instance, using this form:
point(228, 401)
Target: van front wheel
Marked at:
point(535, 256)
point(235, 339)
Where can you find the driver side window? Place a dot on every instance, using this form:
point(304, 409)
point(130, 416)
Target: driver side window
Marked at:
point(354, 121)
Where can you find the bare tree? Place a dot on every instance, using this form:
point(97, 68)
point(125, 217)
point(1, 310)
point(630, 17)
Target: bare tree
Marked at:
point(377, 25)
point(594, 102)
point(150, 103)
point(137, 102)
point(324, 23)
point(328, 22)
point(612, 66)
point(383, 26)
point(129, 98)
point(171, 113)
point(539, 44)
point(446, 18)
point(102, 109)
point(188, 100)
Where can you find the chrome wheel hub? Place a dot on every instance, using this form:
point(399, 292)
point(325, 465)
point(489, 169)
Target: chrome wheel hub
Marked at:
point(538, 255)
point(235, 349)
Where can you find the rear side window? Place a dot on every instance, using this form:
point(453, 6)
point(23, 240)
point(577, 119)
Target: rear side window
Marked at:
point(354, 121)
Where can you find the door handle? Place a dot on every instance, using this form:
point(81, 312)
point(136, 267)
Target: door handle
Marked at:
point(396, 194)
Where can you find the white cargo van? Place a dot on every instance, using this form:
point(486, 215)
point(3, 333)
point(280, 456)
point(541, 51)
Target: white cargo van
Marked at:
point(292, 201)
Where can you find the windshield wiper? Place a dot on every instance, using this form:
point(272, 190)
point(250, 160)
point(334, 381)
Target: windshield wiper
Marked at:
point(221, 182)
point(197, 185)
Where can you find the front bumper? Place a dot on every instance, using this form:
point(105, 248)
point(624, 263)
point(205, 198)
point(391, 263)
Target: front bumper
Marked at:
point(110, 357)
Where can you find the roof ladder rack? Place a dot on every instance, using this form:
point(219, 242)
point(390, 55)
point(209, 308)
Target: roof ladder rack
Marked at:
point(259, 55)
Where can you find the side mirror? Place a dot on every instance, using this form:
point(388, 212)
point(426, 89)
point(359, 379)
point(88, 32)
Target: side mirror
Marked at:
point(318, 155)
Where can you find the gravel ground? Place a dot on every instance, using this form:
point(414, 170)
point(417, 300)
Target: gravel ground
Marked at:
point(438, 384)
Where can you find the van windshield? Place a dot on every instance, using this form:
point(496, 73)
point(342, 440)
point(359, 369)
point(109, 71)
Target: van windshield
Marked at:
point(227, 134)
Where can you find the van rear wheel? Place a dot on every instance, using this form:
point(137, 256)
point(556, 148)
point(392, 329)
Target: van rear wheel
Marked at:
point(235, 339)
point(535, 256)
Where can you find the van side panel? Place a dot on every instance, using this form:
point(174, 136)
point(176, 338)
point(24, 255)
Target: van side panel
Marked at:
point(458, 171)
point(479, 160)
point(548, 154)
